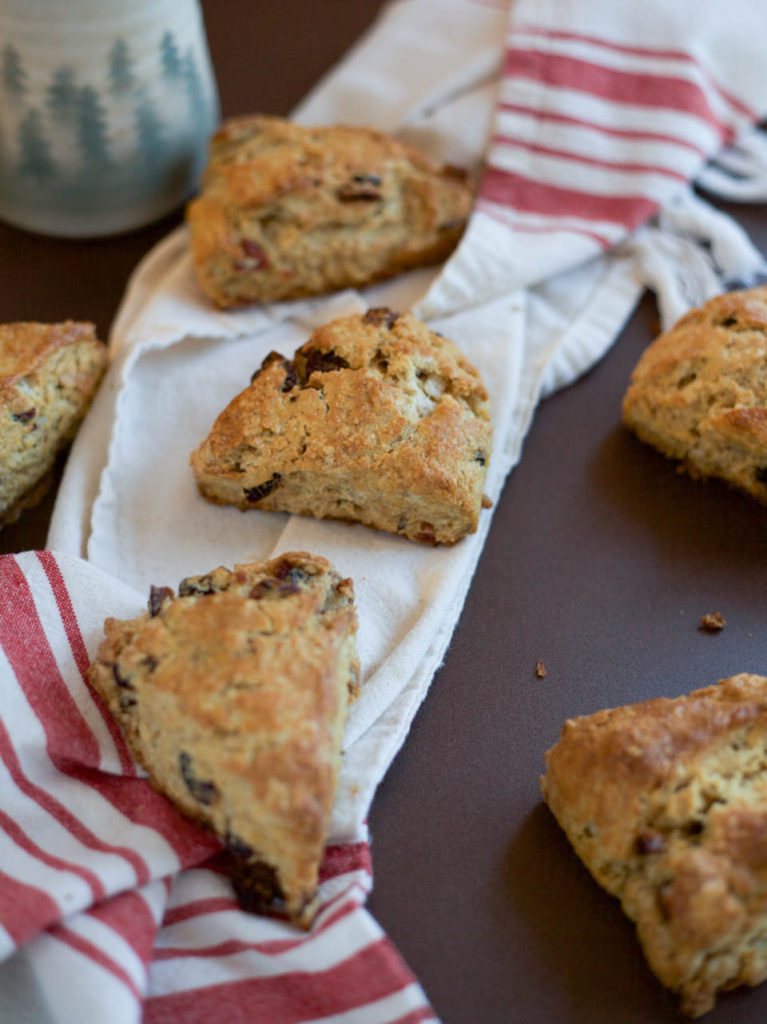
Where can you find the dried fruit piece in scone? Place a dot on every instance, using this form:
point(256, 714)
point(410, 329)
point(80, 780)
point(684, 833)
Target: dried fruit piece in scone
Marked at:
point(376, 420)
point(665, 802)
point(233, 695)
point(48, 376)
point(288, 211)
point(699, 392)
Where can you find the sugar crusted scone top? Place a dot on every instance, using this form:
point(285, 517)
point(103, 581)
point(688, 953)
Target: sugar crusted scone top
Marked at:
point(401, 387)
point(291, 157)
point(25, 346)
point(609, 769)
point(709, 369)
point(229, 639)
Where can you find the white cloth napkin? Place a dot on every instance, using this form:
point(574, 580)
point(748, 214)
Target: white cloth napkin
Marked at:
point(598, 117)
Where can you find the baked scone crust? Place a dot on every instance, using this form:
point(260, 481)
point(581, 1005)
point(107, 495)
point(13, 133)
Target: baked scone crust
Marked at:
point(287, 211)
point(699, 391)
point(377, 420)
point(233, 695)
point(48, 376)
point(665, 802)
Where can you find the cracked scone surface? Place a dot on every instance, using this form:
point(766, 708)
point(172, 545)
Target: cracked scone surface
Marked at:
point(377, 420)
point(699, 391)
point(288, 211)
point(48, 376)
point(665, 802)
point(233, 694)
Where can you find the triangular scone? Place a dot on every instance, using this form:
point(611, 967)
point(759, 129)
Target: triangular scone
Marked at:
point(699, 392)
point(49, 374)
point(288, 211)
point(665, 802)
point(233, 695)
point(377, 420)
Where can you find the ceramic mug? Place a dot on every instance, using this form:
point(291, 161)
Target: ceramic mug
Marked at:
point(106, 108)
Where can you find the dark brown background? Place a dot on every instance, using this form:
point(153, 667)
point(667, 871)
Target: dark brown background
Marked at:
point(600, 561)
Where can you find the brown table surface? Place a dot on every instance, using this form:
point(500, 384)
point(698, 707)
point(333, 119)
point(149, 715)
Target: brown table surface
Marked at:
point(600, 561)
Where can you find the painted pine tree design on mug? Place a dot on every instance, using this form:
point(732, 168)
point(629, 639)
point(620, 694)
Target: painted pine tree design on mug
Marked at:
point(105, 138)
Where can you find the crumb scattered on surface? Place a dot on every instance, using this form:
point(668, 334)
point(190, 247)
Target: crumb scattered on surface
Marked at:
point(540, 669)
point(712, 622)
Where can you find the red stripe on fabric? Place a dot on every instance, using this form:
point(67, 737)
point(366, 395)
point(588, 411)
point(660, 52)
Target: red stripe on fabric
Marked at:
point(373, 973)
point(80, 653)
point(71, 745)
point(67, 612)
point(87, 949)
point(635, 134)
point(609, 165)
point(274, 947)
point(129, 916)
point(197, 908)
point(582, 37)
point(67, 819)
point(658, 91)
point(506, 217)
point(47, 803)
point(423, 1013)
point(25, 909)
point(26, 646)
point(524, 194)
point(341, 858)
point(643, 51)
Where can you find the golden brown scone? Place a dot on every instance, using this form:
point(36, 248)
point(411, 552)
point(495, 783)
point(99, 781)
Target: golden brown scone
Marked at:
point(665, 802)
point(48, 376)
point(287, 211)
point(699, 392)
point(233, 695)
point(376, 420)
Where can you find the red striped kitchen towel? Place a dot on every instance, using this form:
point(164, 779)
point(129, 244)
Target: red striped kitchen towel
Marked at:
point(112, 903)
point(605, 114)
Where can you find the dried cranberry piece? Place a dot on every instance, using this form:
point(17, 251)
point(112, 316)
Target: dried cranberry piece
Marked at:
point(254, 494)
point(204, 792)
point(25, 416)
point(156, 597)
point(257, 887)
point(257, 258)
point(650, 842)
point(316, 361)
point(192, 587)
point(120, 678)
point(238, 846)
point(273, 588)
point(381, 316)
point(290, 370)
point(360, 186)
point(290, 376)
point(285, 570)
